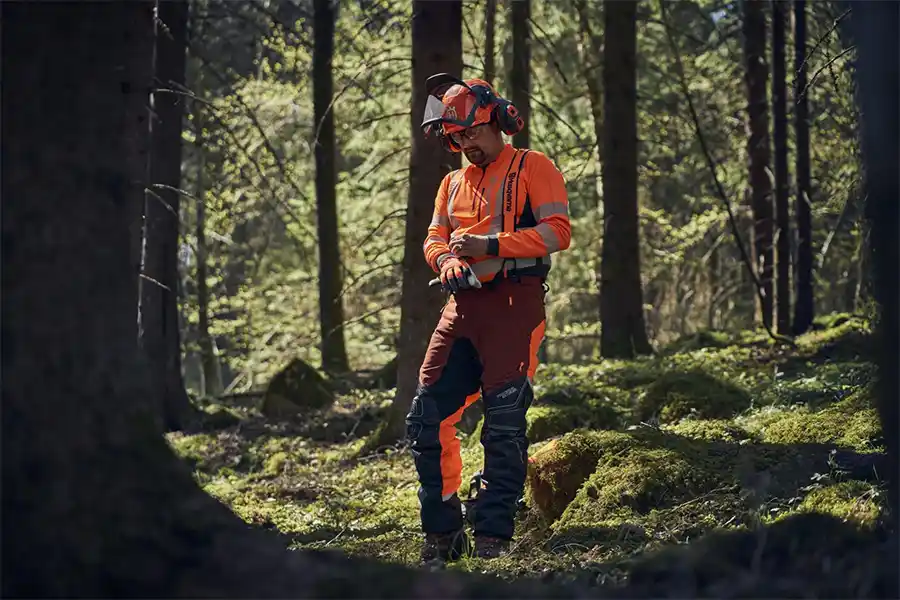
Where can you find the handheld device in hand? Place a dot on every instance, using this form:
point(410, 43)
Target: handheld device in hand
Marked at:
point(471, 279)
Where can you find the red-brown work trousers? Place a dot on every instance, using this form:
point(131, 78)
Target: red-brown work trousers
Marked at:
point(485, 344)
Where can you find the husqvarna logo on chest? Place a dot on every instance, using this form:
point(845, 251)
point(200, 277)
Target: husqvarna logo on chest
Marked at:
point(509, 186)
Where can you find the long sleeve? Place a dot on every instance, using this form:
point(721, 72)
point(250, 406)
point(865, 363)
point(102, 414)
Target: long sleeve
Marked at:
point(436, 244)
point(550, 205)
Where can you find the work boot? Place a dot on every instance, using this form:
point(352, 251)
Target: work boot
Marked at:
point(444, 546)
point(490, 547)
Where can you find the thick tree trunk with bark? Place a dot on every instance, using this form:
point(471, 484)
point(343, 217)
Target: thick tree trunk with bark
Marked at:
point(756, 76)
point(875, 28)
point(95, 503)
point(331, 312)
point(520, 71)
point(160, 336)
point(804, 309)
point(436, 48)
point(780, 134)
point(623, 333)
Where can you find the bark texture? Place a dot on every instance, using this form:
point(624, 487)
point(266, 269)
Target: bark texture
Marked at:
point(780, 134)
point(331, 311)
point(875, 28)
point(490, 38)
point(804, 309)
point(756, 77)
point(623, 333)
point(436, 48)
point(520, 71)
point(160, 335)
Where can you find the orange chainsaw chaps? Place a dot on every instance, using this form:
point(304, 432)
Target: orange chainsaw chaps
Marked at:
point(451, 461)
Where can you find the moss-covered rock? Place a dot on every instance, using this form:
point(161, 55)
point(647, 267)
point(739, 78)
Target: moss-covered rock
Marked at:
point(653, 486)
point(853, 501)
point(851, 423)
point(296, 389)
point(545, 422)
point(710, 430)
point(675, 395)
point(559, 468)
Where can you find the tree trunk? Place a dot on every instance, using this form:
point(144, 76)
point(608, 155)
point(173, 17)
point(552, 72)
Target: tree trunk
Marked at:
point(623, 334)
point(212, 385)
point(96, 504)
point(875, 28)
point(590, 61)
point(804, 309)
point(520, 72)
point(755, 78)
point(490, 37)
point(160, 335)
point(331, 312)
point(780, 133)
point(436, 48)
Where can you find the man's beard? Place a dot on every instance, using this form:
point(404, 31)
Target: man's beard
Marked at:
point(475, 156)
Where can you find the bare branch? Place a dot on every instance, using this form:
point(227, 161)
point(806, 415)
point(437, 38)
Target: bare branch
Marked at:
point(820, 70)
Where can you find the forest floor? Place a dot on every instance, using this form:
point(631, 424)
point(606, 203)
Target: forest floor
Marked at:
point(724, 465)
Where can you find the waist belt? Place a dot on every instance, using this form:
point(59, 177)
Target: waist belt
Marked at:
point(511, 268)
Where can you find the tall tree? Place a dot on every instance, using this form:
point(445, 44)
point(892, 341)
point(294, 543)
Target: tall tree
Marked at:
point(331, 312)
point(520, 69)
point(804, 309)
point(780, 134)
point(875, 28)
point(209, 362)
point(212, 383)
point(436, 48)
point(623, 333)
point(490, 37)
point(159, 334)
point(590, 57)
point(756, 79)
point(96, 503)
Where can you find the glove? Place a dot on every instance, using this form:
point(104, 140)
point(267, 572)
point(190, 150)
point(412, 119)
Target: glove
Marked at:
point(456, 274)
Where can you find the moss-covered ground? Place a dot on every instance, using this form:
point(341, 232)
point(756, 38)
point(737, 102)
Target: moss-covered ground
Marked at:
point(724, 465)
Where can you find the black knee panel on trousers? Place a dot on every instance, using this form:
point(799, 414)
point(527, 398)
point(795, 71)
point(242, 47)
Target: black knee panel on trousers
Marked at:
point(505, 457)
point(423, 433)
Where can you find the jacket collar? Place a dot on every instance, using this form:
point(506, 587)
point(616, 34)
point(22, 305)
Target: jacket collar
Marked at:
point(503, 158)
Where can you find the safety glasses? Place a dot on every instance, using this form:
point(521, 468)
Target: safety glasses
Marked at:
point(470, 133)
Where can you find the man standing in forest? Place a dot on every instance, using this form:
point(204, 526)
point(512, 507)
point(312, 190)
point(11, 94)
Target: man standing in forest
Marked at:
point(496, 222)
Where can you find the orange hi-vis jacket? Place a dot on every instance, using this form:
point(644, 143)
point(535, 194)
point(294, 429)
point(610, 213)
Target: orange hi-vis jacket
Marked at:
point(519, 201)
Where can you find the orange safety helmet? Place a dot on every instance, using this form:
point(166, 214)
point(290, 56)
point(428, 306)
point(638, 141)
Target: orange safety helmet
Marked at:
point(454, 105)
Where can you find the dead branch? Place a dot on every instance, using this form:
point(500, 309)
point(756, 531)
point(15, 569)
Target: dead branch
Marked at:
point(819, 71)
point(821, 40)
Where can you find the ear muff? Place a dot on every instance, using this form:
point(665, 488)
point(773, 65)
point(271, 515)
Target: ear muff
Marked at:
point(507, 116)
point(504, 112)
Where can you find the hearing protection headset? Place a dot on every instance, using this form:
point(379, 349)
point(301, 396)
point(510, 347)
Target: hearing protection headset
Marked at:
point(436, 115)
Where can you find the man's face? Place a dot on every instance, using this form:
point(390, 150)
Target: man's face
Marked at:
point(478, 143)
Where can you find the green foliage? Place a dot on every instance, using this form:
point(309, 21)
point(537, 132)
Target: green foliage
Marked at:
point(253, 73)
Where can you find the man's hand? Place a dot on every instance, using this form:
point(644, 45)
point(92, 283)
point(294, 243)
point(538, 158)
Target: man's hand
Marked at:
point(455, 273)
point(473, 246)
